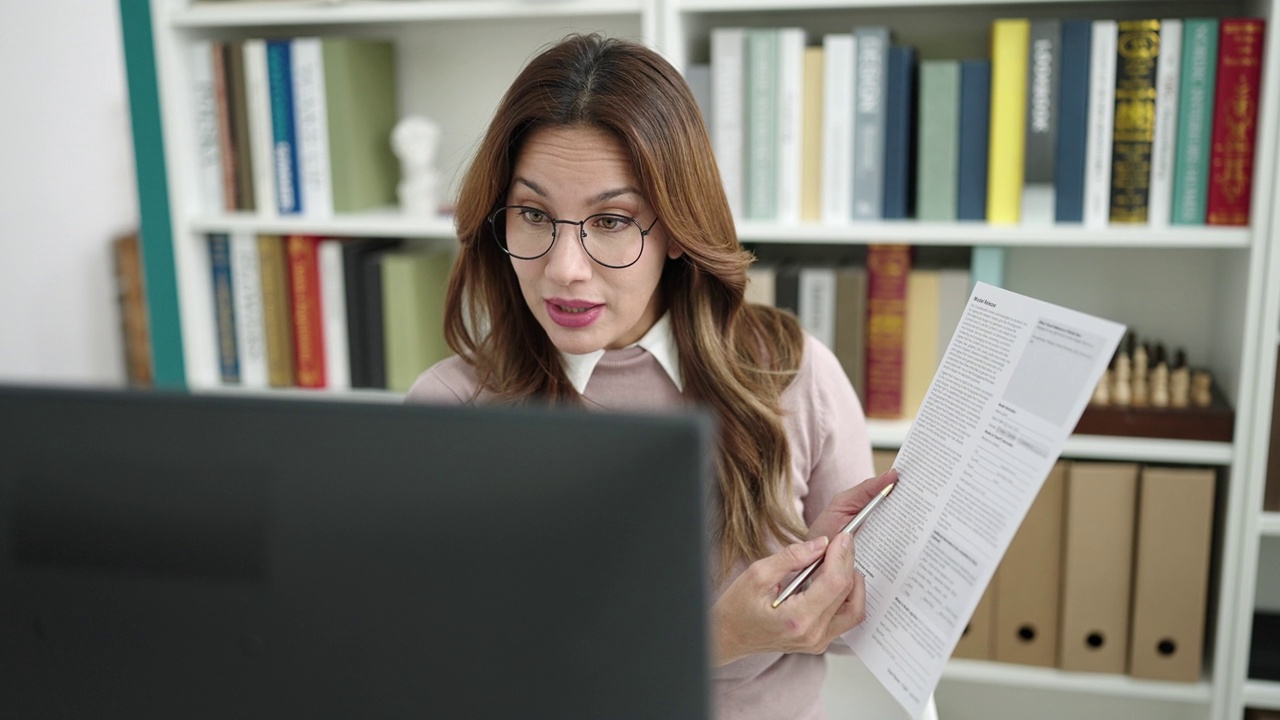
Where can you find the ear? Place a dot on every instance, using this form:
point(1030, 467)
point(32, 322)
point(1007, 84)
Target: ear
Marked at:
point(674, 251)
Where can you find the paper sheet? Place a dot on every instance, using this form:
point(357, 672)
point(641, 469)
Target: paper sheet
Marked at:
point(1008, 392)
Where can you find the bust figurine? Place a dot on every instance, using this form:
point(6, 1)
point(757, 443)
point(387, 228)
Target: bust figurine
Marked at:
point(414, 140)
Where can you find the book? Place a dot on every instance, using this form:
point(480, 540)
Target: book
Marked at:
point(1195, 120)
point(1133, 129)
point(333, 313)
point(837, 128)
point(851, 326)
point(1102, 93)
point(413, 288)
point(284, 147)
point(811, 137)
point(938, 141)
point(899, 132)
point(224, 307)
point(971, 161)
point(728, 129)
point(250, 323)
point(888, 267)
point(1044, 51)
point(360, 83)
point(761, 285)
point(870, 98)
point(1164, 141)
point(205, 110)
point(762, 96)
point(817, 303)
point(790, 124)
point(238, 111)
point(1235, 119)
point(132, 302)
point(307, 312)
point(1073, 122)
point(920, 349)
point(277, 312)
point(374, 323)
point(311, 126)
point(1009, 38)
point(257, 94)
point(786, 288)
point(226, 137)
point(698, 75)
point(364, 322)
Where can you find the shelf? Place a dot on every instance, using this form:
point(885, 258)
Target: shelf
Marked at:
point(1262, 694)
point(741, 5)
point(1269, 524)
point(976, 233)
point(891, 434)
point(369, 396)
point(337, 12)
point(382, 223)
point(1007, 675)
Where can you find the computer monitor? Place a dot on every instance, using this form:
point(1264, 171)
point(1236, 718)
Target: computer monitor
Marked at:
point(177, 556)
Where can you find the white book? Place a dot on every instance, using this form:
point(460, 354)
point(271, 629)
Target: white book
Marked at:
point(1102, 106)
point(333, 313)
point(1164, 140)
point(251, 321)
point(728, 60)
point(311, 127)
point(817, 303)
point(762, 285)
point(790, 122)
point(205, 111)
point(837, 129)
point(257, 93)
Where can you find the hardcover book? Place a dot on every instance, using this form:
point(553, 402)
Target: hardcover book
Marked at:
point(1133, 129)
point(761, 93)
point(971, 162)
point(1235, 119)
point(899, 133)
point(308, 322)
point(284, 147)
point(224, 307)
point(1043, 70)
point(887, 269)
point(870, 97)
point(1073, 122)
point(1009, 42)
point(1195, 120)
point(938, 140)
point(277, 312)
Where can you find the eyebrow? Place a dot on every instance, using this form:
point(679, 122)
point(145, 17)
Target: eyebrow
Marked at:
point(602, 197)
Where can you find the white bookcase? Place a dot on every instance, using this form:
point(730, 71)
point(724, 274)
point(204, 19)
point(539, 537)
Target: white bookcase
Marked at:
point(1214, 291)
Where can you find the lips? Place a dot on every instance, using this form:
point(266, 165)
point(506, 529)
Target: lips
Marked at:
point(572, 313)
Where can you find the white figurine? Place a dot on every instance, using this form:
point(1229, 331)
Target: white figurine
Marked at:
point(414, 141)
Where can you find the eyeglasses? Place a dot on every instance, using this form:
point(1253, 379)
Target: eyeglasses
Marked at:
point(614, 241)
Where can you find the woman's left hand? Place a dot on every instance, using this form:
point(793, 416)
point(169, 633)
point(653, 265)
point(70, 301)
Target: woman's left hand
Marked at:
point(845, 505)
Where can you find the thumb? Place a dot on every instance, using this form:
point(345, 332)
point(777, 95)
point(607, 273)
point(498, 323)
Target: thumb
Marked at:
point(797, 556)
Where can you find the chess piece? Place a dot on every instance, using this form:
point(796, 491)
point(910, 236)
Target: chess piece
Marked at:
point(1139, 383)
point(1121, 388)
point(414, 141)
point(1180, 381)
point(1158, 386)
point(1201, 388)
point(1102, 393)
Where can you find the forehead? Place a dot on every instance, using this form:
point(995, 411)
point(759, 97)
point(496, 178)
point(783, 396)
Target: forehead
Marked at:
point(590, 153)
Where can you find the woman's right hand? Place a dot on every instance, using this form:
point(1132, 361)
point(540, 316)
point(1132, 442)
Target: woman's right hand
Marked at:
point(744, 621)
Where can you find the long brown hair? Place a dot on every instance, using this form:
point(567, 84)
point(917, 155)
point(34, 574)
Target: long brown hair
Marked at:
point(735, 358)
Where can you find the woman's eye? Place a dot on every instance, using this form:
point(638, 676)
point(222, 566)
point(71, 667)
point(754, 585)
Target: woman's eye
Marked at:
point(535, 216)
point(608, 222)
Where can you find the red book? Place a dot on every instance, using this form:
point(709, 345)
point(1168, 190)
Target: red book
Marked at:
point(887, 269)
point(1235, 121)
point(304, 297)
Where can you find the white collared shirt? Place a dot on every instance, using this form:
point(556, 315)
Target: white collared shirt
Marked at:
point(658, 342)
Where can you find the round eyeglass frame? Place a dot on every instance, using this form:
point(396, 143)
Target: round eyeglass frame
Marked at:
point(555, 233)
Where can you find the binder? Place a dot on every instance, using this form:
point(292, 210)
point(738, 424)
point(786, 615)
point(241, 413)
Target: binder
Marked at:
point(976, 640)
point(1097, 564)
point(1027, 611)
point(1171, 573)
point(882, 460)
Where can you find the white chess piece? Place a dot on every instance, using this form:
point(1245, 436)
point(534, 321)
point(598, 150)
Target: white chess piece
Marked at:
point(414, 141)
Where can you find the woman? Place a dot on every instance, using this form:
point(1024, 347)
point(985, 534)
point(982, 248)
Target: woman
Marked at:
point(599, 266)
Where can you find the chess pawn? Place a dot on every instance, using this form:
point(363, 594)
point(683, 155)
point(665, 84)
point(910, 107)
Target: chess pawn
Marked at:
point(1102, 393)
point(1201, 388)
point(1159, 380)
point(1180, 382)
point(1121, 389)
point(1139, 382)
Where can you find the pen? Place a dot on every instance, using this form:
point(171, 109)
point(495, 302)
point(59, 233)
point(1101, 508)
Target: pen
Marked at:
point(851, 528)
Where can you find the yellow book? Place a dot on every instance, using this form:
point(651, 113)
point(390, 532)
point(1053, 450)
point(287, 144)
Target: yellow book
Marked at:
point(276, 310)
point(811, 138)
point(1009, 40)
point(920, 348)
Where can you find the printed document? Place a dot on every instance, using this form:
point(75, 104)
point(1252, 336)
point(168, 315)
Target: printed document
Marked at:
point(1008, 392)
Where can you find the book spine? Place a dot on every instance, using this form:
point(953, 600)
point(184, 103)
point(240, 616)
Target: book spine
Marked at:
point(790, 110)
point(1195, 120)
point(811, 137)
point(938, 140)
point(375, 348)
point(258, 109)
point(887, 269)
point(224, 307)
point(762, 146)
point(226, 141)
point(1102, 92)
point(1043, 71)
point(1168, 71)
point(851, 326)
point(1009, 42)
point(311, 127)
point(975, 120)
point(787, 289)
point(333, 310)
point(276, 310)
point(1073, 122)
point(284, 148)
point(899, 129)
point(208, 148)
point(246, 273)
point(1133, 129)
point(359, 81)
point(728, 78)
point(304, 295)
point(870, 98)
point(237, 99)
point(837, 129)
point(1235, 121)
point(817, 300)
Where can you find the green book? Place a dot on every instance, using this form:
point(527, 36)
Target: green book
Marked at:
point(360, 103)
point(413, 288)
point(761, 122)
point(1195, 120)
point(938, 144)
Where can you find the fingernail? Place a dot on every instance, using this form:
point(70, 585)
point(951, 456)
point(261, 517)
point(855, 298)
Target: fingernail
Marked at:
point(817, 543)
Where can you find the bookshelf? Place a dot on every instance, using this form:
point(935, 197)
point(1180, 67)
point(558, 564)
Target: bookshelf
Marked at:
point(1215, 289)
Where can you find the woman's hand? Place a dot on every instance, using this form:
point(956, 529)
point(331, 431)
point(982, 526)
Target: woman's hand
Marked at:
point(744, 621)
point(847, 504)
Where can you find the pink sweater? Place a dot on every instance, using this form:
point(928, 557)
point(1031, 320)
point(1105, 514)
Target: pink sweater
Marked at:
point(830, 451)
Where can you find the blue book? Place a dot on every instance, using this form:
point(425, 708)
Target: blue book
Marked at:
point(975, 119)
point(899, 131)
point(224, 307)
point(284, 146)
point(1073, 121)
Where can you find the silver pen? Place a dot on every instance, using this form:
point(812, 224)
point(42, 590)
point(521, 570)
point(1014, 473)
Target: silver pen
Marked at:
point(851, 528)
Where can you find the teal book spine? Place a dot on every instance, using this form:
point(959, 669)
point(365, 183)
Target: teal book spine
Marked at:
point(938, 156)
point(1195, 120)
point(762, 51)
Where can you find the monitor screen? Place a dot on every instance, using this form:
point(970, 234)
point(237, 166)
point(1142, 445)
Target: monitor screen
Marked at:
point(168, 555)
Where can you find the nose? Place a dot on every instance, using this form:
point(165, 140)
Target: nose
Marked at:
point(567, 261)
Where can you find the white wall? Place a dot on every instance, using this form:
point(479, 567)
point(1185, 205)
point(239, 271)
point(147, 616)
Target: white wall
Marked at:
point(67, 187)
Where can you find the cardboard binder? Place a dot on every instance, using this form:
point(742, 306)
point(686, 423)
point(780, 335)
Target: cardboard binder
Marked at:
point(1171, 573)
point(1027, 611)
point(882, 460)
point(976, 641)
point(1097, 564)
